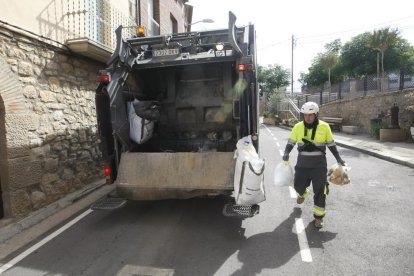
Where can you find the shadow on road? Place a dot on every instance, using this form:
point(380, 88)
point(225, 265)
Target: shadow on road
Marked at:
point(182, 237)
point(274, 249)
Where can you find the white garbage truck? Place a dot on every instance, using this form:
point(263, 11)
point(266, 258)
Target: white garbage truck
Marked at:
point(171, 109)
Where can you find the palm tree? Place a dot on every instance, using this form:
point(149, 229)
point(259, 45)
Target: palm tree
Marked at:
point(328, 61)
point(381, 40)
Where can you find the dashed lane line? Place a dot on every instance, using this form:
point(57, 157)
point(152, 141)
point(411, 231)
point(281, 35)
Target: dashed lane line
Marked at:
point(303, 241)
point(292, 192)
point(305, 252)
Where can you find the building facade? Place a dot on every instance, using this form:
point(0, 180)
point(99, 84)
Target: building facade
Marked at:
point(50, 53)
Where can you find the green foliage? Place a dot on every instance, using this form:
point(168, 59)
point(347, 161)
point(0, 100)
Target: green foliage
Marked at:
point(266, 114)
point(326, 66)
point(292, 122)
point(273, 77)
point(358, 57)
point(271, 105)
point(381, 40)
point(375, 129)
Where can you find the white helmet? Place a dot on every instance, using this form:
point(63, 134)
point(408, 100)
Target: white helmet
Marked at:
point(310, 108)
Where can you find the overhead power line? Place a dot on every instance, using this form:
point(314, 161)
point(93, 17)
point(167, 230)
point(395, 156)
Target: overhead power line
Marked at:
point(355, 29)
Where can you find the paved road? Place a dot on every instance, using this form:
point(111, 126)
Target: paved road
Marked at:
point(368, 231)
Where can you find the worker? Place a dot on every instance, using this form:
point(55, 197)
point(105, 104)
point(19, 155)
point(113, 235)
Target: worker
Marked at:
point(312, 136)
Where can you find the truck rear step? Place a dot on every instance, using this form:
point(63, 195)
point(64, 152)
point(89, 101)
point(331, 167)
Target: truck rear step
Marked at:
point(240, 211)
point(108, 203)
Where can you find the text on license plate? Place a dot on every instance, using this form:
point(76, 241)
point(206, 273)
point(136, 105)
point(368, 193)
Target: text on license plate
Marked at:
point(165, 52)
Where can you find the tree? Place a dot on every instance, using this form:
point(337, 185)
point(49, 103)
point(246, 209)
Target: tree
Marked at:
point(324, 64)
point(381, 40)
point(357, 58)
point(273, 77)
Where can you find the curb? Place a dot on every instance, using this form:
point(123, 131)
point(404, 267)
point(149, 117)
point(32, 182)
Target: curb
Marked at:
point(377, 155)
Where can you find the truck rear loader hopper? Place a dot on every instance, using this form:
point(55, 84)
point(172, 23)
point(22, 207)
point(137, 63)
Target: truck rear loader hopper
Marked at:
point(204, 92)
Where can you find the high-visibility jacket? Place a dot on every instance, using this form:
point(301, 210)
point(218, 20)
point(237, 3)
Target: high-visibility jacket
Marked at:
point(323, 138)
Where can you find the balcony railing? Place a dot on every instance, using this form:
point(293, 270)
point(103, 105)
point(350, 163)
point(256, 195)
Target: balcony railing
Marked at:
point(94, 22)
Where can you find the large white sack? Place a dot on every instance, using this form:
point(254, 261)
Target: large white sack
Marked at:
point(283, 175)
point(140, 130)
point(251, 188)
point(249, 174)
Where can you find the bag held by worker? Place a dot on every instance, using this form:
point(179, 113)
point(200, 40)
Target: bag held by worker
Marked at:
point(249, 174)
point(338, 174)
point(283, 174)
point(140, 129)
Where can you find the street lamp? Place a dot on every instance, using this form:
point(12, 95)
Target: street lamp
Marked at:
point(206, 20)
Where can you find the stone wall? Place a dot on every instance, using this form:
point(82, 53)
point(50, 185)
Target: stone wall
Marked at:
point(50, 143)
point(360, 111)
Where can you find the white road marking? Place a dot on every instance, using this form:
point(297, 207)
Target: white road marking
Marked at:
point(292, 192)
point(43, 242)
point(303, 241)
point(305, 252)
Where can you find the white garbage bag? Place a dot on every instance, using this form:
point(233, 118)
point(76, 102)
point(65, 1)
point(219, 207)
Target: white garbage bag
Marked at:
point(140, 130)
point(283, 175)
point(249, 174)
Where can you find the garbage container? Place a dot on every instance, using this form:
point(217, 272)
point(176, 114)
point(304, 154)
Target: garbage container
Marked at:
point(375, 126)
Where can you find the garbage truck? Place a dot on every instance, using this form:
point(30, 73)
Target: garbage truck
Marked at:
point(170, 110)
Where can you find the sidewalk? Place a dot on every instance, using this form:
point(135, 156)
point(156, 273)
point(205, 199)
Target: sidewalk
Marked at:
point(397, 152)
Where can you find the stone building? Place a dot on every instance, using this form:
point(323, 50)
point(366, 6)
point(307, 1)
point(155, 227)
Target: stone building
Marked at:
point(50, 53)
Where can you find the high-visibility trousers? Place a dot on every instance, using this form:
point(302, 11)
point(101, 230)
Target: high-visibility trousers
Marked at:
point(303, 179)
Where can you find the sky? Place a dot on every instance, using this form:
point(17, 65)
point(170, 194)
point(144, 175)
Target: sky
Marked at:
point(312, 23)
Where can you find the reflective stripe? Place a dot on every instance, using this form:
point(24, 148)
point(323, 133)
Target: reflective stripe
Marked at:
point(312, 153)
point(325, 190)
point(305, 194)
point(320, 144)
point(330, 144)
point(319, 211)
point(292, 142)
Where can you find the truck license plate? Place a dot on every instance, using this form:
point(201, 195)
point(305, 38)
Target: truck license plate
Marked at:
point(165, 52)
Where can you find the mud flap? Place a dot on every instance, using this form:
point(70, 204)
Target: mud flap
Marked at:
point(108, 203)
point(240, 211)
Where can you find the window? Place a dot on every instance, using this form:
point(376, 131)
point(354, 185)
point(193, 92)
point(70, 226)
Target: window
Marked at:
point(174, 25)
point(132, 7)
point(153, 17)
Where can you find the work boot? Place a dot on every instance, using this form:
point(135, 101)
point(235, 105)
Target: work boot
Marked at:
point(318, 222)
point(301, 198)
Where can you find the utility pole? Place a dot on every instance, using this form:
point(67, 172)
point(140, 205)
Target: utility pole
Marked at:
point(293, 45)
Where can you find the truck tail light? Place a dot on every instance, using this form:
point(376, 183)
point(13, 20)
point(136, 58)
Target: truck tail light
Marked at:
point(245, 67)
point(107, 172)
point(104, 78)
